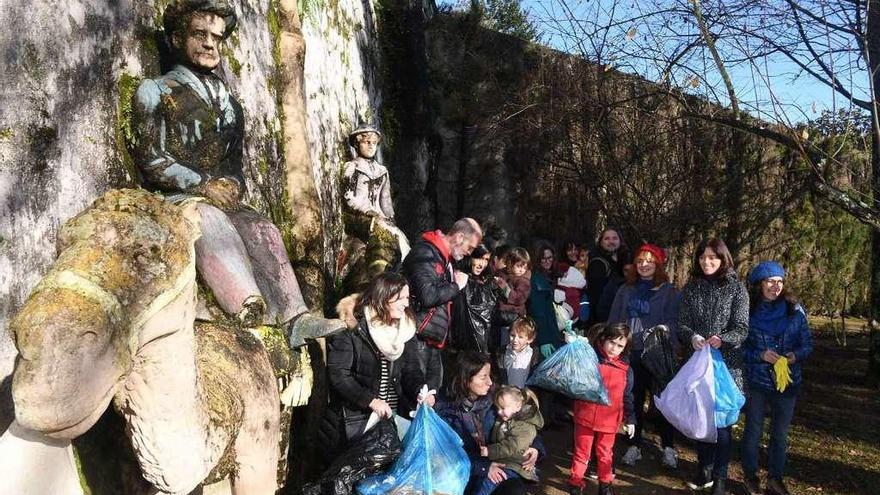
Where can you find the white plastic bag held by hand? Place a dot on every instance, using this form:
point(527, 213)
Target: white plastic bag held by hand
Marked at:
point(688, 402)
point(425, 396)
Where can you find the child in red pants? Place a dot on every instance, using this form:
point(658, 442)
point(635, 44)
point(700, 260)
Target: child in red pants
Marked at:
point(598, 424)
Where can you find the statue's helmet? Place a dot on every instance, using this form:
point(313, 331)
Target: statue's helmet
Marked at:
point(177, 14)
point(362, 129)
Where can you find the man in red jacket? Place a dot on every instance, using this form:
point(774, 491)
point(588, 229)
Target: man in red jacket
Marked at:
point(433, 284)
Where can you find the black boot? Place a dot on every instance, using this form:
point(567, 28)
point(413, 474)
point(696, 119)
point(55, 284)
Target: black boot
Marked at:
point(575, 490)
point(752, 484)
point(702, 480)
point(718, 486)
point(605, 489)
point(776, 487)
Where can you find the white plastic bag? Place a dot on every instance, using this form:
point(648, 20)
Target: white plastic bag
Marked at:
point(688, 402)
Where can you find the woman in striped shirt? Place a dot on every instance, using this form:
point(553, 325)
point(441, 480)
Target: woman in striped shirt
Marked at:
point(373, 367)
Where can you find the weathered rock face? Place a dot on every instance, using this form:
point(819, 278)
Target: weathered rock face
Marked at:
point(341, 89)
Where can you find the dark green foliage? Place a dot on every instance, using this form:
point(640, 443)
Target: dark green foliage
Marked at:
point(830, 251)
point(509, 17)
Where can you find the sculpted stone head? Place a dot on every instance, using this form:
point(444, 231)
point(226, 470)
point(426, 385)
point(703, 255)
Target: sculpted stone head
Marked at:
point(196, 29)
point(365, 141)
point(200, 43)
point(367, 145)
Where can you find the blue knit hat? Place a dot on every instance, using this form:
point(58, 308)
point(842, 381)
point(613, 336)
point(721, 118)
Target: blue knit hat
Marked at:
point(765, 270)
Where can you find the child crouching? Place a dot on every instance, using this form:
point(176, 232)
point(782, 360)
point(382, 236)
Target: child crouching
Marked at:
point(596, 423)
point(516, 426)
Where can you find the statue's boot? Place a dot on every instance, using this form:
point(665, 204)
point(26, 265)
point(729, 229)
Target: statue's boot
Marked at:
point(271, 266)
point(223, 263)
point(308, 326)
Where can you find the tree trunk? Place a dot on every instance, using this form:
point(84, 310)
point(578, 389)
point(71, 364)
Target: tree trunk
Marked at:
point(873, 39)
point(305, 242)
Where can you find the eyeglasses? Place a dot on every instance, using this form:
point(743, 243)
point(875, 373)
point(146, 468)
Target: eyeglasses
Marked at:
point(773, 281)
point(547, 258)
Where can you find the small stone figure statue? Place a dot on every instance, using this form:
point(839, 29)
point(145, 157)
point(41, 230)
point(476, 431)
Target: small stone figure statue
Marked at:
point(189, 131)
point(369, 214)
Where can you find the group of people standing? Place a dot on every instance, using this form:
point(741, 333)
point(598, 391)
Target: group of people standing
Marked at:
point(458, 316)
point(464, 320)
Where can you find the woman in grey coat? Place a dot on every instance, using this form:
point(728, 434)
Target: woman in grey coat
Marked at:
point(714, 311)
point(647, 300)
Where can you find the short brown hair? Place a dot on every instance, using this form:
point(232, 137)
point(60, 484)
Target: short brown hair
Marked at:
point(720, 248)
point(517, 255)
point(613, 331)
point(524, 325)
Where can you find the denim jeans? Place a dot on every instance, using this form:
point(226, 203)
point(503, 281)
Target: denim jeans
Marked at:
point(716, 455)
point(486, 487)
point(781, 409)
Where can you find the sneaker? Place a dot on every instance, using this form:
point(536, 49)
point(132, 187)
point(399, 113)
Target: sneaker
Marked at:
point(702, 480)
point(752, 484)
point(718, 486)
point(776, 487)
point(575, 490)
point(632, 455)
point(592, 473)
point(670, 458)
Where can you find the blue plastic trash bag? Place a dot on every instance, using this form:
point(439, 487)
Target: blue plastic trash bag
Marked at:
point(572, 371)
point(688, 402)
point(728, 399)
point(433, 461)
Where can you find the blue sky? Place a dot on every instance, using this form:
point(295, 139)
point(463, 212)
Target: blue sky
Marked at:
point(796, 98)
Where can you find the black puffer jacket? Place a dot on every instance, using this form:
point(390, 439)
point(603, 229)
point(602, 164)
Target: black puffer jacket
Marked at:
point(600, 269)
point(431, 288)
point(354, 372)
point(716, 307)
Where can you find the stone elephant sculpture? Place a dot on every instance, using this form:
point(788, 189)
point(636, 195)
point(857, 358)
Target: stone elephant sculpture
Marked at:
point(113, 322)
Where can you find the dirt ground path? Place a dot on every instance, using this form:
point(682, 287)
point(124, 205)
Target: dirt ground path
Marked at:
point(834, 441)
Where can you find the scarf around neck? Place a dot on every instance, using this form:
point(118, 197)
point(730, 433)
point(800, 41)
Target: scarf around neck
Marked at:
point(389, 339)
point(770, 317)
point(639, 304)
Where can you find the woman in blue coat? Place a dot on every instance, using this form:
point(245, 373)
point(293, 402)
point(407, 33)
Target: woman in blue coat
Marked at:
point(467, 406)
point(777, 330)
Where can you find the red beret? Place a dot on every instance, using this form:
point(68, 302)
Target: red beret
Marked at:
point(655, 250)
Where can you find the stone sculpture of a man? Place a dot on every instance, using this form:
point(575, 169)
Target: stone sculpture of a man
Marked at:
point(189, 130)
point(369, 213)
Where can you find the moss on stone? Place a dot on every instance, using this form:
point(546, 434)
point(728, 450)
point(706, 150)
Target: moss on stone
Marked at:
point(308, 8)
point(83, 482)
point(232, 62)
point(273, 20)
point(6, 134)
point(126, 138)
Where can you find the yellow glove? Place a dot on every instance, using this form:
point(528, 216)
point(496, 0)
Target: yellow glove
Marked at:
point(783, 375)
